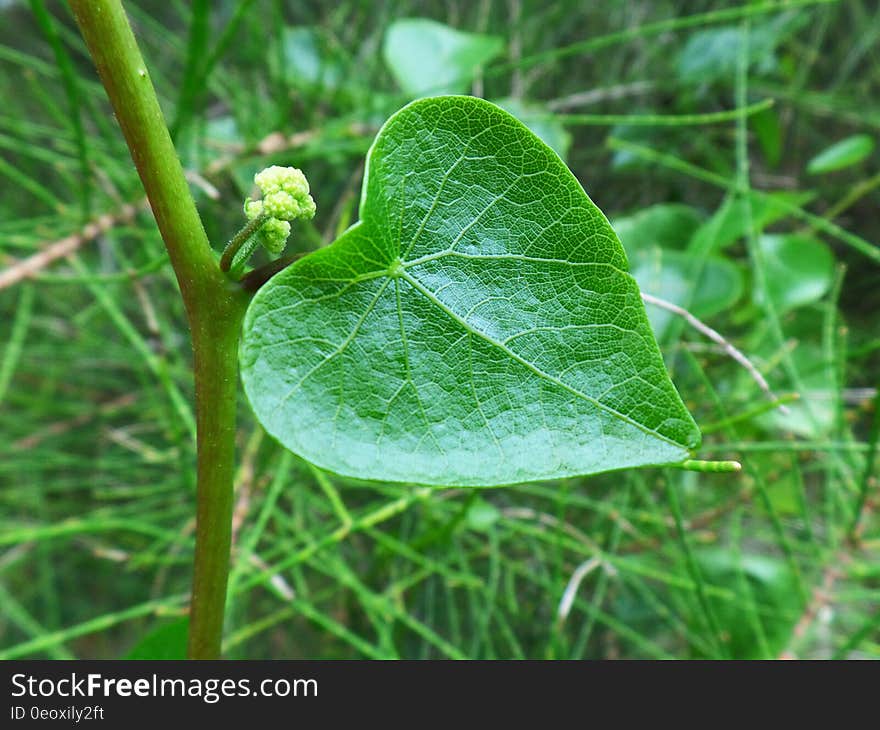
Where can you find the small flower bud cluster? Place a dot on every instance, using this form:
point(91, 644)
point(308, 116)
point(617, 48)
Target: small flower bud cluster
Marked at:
point(285, 198)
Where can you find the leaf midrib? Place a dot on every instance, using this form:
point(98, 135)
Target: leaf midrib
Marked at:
point(418, 286)
point(468, 327)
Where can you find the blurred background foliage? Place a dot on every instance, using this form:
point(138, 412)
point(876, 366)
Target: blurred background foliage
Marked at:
point(761, 221)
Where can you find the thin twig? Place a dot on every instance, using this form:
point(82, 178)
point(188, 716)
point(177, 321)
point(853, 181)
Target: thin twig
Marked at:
point(823, 597)
point(278, 142)
point(729, 349)
point(594, 96)
point(26, 268)
point(194, 178)
point(574, 583)
point(246, 483)
point(548, 520)
point(276, 580)
point(271, 144)
point(61, 427)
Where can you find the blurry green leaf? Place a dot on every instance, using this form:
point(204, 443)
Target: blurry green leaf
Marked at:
point(167, 641)
point(653, 239)
point(481, 515)
point(730, 222)
point(720, 284)
point(782, 488)
point(541, 122)
point(310, 60)
point(764, 581)
point(767, 130)
point(798, 269)
point(770, 208)
point(711, 55)
point(812, 415)
point(669, 226)
point(476, 327)
point(637, 134)
point(846, 153)
point(427, 57)
point(222, 131)
point(667, 275)
point(656, 276)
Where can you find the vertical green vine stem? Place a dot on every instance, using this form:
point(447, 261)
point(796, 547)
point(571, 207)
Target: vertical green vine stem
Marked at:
point(215, 306)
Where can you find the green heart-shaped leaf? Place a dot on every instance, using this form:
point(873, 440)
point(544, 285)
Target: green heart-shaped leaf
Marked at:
point(477, 327)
